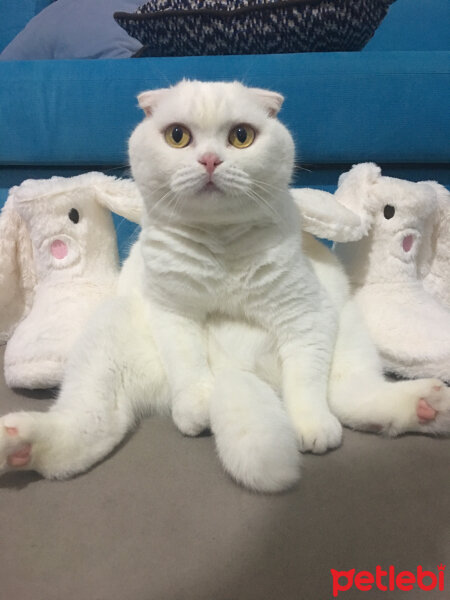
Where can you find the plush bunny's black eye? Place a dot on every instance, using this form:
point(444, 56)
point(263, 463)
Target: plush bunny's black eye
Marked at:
point(74, 215)
point(389, 211)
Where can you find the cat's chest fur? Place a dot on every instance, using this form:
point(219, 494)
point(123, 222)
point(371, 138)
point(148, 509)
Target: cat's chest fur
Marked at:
point(217, 268)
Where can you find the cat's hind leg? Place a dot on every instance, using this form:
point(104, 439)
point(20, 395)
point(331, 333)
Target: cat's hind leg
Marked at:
point(113, 377)
point(255, 440)
point(361, 397)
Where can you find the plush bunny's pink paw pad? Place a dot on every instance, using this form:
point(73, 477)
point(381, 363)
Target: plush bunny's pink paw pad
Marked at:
point(425, 412)
point(20, 458)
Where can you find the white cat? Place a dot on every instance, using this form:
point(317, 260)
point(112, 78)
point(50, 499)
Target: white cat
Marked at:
point(224, 315)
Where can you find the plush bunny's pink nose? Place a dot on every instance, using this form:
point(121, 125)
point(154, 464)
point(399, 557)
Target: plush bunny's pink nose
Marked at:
point(407, 243)
point(210, 162)
point(59, 249)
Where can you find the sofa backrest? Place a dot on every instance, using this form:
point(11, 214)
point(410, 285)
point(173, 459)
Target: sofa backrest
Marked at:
point(414, 25)
point(341, 107)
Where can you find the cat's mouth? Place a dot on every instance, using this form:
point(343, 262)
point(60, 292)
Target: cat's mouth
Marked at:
point(210, 186)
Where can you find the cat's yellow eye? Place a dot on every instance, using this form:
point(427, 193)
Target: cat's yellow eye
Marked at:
point(177, 136)
point(242, 136)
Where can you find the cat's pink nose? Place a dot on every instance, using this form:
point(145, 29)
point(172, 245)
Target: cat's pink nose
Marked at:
point(210, 162)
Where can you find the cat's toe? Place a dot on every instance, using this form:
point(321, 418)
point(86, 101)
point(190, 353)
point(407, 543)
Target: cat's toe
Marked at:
point(191, 409)
point(318, 433)
point(190, 422)
point(15, 450)
point(433, 409)
point(21, 457)
point(425, 412)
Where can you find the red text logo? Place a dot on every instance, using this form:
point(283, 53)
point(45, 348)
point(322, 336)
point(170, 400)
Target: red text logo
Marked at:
point(388, 580)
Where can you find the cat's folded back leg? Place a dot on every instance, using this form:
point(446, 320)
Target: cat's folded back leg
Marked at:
point(362, 398)
point(113, 377)
point(255, 440)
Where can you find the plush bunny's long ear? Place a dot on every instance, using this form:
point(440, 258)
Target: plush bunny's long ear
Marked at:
point(120, 196)
point(17, 273)
point(345, 216)
point(355, 190)
point(324, 217)
point(442, 194)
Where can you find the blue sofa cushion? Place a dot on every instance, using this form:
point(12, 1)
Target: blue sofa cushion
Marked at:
point(74, 29)
point(208, 27)
point(15, 15)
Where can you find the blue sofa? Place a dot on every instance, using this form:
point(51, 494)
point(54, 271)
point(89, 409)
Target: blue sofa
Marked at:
point(159, 519)
point(387, 103)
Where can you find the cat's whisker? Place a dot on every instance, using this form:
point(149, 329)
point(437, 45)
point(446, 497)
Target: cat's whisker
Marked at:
point(117, 168)
point(265, 191)
point(264, 205)
point(175, 201)
point(298, 167)
point(267, 186)
point(186, 181)
point(158, 203)
point(267, 204)
point(159, 188)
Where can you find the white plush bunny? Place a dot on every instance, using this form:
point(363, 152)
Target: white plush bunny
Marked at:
point(59, 259)
point(395, 255)
point(17, 276)
point(437, 279)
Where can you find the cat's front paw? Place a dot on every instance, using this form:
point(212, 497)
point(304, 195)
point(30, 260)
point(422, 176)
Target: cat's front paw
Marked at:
point(190, 409)
point(318, 432)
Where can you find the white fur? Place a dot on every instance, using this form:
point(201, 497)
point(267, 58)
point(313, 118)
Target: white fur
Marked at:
point(261, 308)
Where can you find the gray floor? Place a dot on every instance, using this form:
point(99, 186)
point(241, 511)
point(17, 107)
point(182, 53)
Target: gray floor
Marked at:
point(159, 520)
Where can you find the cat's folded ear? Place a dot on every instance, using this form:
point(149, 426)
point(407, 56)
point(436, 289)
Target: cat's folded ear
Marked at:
point(271, 101)
point(149, 99)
